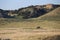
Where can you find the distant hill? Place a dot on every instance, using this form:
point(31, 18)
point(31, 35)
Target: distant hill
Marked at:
point(28, 12)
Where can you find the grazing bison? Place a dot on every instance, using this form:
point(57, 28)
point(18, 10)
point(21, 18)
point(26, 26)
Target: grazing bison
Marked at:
point(38, 27)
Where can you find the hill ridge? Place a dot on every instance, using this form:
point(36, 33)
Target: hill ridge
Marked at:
point(28, 12)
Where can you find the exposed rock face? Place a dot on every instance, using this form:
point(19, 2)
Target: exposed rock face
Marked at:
point(28, 12)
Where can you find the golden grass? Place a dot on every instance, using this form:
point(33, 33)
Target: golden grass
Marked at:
point(33, 24)
point(23, 35)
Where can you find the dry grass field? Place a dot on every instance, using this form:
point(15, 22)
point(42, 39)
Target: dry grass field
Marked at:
point(23, 34)
point(31, 29)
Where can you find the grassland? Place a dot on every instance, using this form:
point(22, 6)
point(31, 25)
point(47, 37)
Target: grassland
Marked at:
point(26, 29)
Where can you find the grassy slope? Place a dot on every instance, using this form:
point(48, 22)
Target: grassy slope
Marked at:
point(52, 16)
point(49, 20)
point(52, 19)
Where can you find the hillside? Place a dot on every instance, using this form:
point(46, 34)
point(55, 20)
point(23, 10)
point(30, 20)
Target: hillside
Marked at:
point(53, 15)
